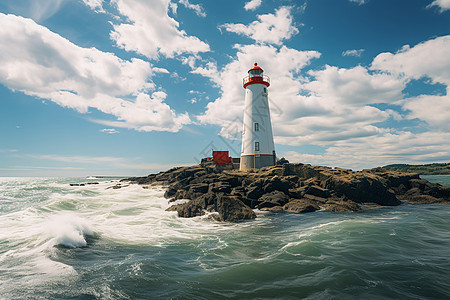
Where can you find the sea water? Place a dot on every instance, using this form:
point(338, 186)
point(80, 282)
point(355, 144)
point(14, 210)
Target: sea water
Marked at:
point(96, 242)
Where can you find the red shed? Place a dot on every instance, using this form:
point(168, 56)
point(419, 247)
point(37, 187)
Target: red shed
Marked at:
point(221, 158)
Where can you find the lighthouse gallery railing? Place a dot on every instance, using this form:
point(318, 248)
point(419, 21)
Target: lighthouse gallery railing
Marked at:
point(255, 79)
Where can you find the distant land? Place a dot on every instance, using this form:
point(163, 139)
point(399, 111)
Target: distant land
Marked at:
point(429, 169)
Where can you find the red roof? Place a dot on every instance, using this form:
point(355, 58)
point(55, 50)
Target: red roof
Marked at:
point(255, 67)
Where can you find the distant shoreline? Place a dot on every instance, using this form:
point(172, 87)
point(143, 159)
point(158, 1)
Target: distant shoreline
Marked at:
point(428, 169)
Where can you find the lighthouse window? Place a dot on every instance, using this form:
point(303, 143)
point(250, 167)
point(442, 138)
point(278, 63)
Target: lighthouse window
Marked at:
point(256, 126)
point(256, 146)
point(265, 90)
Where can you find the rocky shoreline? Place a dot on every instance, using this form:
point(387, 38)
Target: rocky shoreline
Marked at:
point(290, 187)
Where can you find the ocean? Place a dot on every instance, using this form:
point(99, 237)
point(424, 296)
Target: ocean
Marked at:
point(94, 242)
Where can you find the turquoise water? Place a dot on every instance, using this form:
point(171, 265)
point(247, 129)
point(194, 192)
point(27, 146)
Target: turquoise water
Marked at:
point(94, 242)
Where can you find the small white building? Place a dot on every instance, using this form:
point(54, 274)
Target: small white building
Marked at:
point(258, 149)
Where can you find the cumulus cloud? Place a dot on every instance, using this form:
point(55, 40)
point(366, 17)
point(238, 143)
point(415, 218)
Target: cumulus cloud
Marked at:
point(197, 8)
point(95, 4)
point(442, 4)
point(150, 31)
point(381, 150)
point(40, 63)
point(425, 60)
point(356, 53)
point(252, 4)
point(355, 86)
point(269, 28)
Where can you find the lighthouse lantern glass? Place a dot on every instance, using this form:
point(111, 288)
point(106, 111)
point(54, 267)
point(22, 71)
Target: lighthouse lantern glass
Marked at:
point(256, 72)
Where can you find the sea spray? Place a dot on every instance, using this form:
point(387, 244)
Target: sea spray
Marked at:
point(68, 230)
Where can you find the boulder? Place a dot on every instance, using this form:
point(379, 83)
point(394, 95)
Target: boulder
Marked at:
point(361, 188)
point(220, 187)
point(296, 193)
point(275, 198)
point(193, 208)
point(274, 209)
point(254, 192)
point(276, 184)
point(317, 191)
point(341, 205)
point(300, 206)
point(231, 209)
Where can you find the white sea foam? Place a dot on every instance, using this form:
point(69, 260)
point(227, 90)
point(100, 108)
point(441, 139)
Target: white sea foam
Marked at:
point(69, 230)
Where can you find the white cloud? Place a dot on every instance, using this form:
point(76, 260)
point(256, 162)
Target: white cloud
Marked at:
point(355, 86)
point(36, 10)
point(40, 63)
point(109, 130)
point(435, 110)
point(442, 4)
point(160, 70)
point(381, 150)
point(197, 8)
point(427, 59)
point(356, 53)
point(96, 5)
point(252, 4)
point(269, 28)
point(150, 31)
point(8, 150)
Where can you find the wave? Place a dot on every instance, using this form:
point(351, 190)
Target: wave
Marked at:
point(69, 230)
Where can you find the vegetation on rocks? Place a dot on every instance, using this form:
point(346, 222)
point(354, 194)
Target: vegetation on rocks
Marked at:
point(294, 188)
point(430, 169)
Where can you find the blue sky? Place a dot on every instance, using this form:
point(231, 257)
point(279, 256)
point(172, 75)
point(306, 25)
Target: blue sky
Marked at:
point(130, 87)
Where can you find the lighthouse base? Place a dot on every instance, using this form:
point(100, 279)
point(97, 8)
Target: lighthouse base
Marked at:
point(257, 161)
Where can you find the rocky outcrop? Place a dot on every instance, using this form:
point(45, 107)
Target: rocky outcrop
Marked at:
point(295, 188)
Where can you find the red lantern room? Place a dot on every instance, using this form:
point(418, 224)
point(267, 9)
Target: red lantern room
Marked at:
point(255, 75)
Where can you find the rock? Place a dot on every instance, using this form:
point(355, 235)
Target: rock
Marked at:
point(300, 206)
point(190, 209)
point(315, 198)
point(274, 209)
point(238, 191)
point(360, 188)
point(282, 161)
point(231, 209)
point(233, 181)
point(422, 199)
point(220, 187)
point(198, 188)
point(170, 193)
point(271, 188)
point(296, 193)
point(318, 191)
point(341, 205)
point(276, 184)
point(275, 198)
point(254, 192)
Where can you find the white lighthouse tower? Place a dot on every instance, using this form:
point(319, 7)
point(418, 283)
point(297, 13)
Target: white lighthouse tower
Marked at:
point(258, 149)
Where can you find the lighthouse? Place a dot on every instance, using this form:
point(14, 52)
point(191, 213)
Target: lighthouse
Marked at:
point(258, 149)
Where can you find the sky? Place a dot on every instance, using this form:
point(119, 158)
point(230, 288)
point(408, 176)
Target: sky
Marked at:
point(132, 87)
